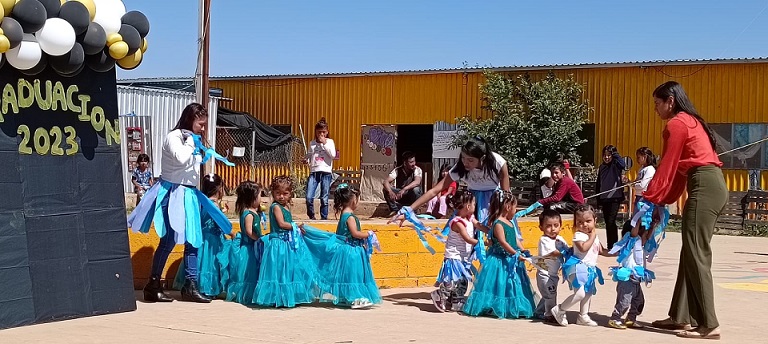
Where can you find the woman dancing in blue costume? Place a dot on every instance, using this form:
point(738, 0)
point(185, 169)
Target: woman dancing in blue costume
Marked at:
point(175, 205)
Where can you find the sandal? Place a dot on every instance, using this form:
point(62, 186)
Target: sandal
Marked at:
point(669, 324)
point(701, 333)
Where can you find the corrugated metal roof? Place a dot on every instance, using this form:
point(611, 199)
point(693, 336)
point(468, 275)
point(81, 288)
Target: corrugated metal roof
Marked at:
point(656, 63)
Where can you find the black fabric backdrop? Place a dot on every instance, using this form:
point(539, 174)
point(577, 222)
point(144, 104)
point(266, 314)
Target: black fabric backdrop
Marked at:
point(266, 136)
point(64, 249)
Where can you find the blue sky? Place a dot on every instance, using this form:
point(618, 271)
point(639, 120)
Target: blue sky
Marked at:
point(257, 37)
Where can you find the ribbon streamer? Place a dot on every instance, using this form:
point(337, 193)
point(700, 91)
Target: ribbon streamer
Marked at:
point(209, 152)
point(373, 242)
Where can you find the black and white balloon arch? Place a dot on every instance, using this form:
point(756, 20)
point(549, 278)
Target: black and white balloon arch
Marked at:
point(69, 35)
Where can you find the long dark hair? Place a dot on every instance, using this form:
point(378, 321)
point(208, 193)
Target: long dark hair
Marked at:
point(212, 185)
point(444, 168)
point(247, 194)
point(499, 200)
point(342, 196)
point(191, 113)
point(683, 104)
point(650, 158)
point(478, 148)
point(460, 199)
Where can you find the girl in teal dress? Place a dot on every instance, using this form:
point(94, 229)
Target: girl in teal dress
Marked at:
point(213, 254)
point(346, 269)
point(502, 287)
point(288, 274)
point(247, 247)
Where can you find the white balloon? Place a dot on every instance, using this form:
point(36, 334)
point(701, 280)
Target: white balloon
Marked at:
point(26, 55)
point(109, 14)
point(57, 37)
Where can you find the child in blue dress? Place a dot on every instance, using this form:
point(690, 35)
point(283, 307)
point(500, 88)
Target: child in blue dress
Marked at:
point(213, 255)
point(502, 287)
point(288, 274)
point(454, 276)
point(247, 246)
point(347, 275)
point(580, 269)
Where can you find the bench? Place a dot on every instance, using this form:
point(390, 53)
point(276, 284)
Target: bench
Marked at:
point(755, 207)
point(732, 217)
point(351, 177)
point(525, 192)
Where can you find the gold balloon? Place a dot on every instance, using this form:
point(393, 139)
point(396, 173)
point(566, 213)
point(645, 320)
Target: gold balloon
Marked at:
point(89, 5)
point(114, 38)
point(2, 32)
point(5, 44)
point(118, 50)
point(2, 12)
point(7, 6)
point(144, 45)
point(131, 61)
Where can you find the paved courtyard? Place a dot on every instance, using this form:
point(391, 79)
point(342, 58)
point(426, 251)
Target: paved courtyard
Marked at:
point(407, 315)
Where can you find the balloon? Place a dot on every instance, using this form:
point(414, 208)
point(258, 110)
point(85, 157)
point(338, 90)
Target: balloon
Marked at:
point(131, 61)
point(76, 15)
point(118, 50)
point(12, 29)
point(144, 44)
point(57, 37)
point(100, 62)
point(5, 44)
point(90, 6)
point(138, 20)
point(7, 6)
point(108, 14)
point(39, 67)
point(25, 56)
point(70, 62)
point(2, 11)
point(52, 7)
point(75, 73)
point(111, 24)
point(2, 61)
point(30, 14)
point(130, 37)
point(113, 38)
point(94, 39)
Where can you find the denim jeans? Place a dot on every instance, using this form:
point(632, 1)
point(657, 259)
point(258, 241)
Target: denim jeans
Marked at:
point(167, 242)
point(324, 180)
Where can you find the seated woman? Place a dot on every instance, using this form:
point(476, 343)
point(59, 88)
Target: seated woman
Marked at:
point(437, 206)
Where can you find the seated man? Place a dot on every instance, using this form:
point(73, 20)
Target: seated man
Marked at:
point(407, 179)
point(566, 195)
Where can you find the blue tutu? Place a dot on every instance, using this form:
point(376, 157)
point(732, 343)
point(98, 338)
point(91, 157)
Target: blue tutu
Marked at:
point(632, 260)
point(245, 257)
point(212, 261)
point(185, 207)
point(502, 287)
point(288, 275)
point(453, 270)
point(345, 273)
point(580, 275)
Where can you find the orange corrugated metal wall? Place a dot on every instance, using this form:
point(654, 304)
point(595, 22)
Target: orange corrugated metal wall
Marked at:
point(621, 97)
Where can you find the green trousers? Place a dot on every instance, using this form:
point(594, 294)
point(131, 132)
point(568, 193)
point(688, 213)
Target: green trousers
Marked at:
point(693, 301)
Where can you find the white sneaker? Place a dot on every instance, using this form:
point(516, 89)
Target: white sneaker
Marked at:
point(585, 320)
point(362, 304)
point(559, 315)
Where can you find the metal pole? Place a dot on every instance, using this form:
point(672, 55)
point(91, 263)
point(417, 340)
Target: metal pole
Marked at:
point(253, 155)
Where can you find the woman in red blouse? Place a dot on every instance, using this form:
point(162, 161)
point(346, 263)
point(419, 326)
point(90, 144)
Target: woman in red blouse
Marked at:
point(689, 157)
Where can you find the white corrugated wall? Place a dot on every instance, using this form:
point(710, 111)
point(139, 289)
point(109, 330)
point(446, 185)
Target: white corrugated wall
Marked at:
point(439, 162)
point(156, 111)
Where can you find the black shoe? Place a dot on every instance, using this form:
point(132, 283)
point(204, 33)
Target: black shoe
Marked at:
point(190, 293)
point(153, 291)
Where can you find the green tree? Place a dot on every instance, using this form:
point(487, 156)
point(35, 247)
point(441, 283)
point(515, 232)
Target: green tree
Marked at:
point(532, 122)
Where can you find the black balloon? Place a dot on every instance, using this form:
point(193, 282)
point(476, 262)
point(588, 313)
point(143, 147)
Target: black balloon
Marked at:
point(138, 20)
point(70, 62)
point(94, 39)
point(76, 14)
point(52, 7)
point(37, 68)
point(100, 62)
point(30, 14)
point(130, 37)
point(75, 73)
point(12, 29)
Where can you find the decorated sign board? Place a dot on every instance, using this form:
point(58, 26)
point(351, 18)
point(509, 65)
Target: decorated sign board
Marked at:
point(377, 159)
point(64, 249)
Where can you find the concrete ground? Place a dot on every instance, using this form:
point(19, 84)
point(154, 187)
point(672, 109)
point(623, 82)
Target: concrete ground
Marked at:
point(407, 316)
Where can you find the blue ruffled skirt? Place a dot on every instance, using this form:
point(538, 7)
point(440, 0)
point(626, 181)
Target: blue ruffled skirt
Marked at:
point(213, 264)
point(185, 205)
point(344, 268)
point(453, 270)
point(580, 275)
point(502, 288)
point(245, 265)
point(288, 275)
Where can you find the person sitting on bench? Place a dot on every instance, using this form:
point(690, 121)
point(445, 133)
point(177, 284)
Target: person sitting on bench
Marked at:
point(407, 180)
point(566, 195)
